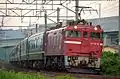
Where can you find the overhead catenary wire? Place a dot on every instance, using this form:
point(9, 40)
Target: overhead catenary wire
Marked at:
point(39, 5)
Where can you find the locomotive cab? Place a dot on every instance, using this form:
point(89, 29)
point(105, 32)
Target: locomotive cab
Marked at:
point(72, 41)
point(83, 46)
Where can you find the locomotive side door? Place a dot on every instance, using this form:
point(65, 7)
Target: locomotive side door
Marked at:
point(85, 42)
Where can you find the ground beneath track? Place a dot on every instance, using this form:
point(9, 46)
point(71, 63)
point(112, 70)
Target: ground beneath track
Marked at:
point(52, 75)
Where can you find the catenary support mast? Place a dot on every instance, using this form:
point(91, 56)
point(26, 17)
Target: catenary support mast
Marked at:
point(77, 9)
point(119, 27)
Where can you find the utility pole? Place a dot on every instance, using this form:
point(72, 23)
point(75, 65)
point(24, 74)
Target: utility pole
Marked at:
point(6, 7)
point(36, 28)
point(99, 10)
point(58, 14)
point(2, 23)
point(66, 12)
point(77, 9)
point(119, 27)
point(45, 20)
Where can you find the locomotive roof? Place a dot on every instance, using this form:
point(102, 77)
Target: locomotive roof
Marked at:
point(56, 29)
point(88, 27)
point(79, 26)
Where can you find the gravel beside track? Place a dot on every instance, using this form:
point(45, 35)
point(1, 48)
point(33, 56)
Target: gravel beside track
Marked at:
point(79, 76)
point(51, 74)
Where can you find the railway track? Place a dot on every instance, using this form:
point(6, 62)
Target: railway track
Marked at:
point(52, 74)
point(78, 76)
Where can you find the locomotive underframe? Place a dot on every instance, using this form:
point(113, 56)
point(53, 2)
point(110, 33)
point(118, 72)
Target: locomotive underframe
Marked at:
point(83, 62)
point(60, 62)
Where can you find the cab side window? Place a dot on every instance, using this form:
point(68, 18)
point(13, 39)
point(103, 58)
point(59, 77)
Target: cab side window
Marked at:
point(96, 35)
point(72, 33)
point(85, 34)
point(92, 34)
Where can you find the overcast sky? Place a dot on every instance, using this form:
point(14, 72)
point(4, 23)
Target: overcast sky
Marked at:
point(108, 8)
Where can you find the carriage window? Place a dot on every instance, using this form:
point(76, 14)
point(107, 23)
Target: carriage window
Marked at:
point(72, 33)
point(85, 34)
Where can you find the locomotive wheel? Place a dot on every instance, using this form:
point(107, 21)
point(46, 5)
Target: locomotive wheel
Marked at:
point(47, 65)
point(60, 66)
point(24, 65)
point(54, 65)
point(38, 65)
point(34, 64)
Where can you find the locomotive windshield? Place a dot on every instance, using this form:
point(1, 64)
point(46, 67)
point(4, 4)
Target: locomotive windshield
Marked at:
point(96, 35)
point(72, 33)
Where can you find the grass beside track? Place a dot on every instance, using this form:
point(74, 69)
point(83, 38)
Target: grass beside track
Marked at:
point(30, 75)
point(20, 75)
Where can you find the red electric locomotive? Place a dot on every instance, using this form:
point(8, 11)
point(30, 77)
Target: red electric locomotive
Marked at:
point(74, 47)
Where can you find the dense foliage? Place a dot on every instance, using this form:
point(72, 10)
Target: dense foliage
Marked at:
point(110, 63)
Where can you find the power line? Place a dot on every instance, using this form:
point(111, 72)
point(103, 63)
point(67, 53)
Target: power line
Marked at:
point(33, 16)
point(17, 26)
point(21, 9)
point(27, 4)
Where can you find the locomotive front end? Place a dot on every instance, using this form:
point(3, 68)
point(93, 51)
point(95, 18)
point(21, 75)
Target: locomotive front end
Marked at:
point(83, 46)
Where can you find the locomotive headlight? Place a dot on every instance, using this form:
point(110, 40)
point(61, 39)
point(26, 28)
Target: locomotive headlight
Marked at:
point(95, 28)
point(75, 27)
point(101, 44)
point(68, 58)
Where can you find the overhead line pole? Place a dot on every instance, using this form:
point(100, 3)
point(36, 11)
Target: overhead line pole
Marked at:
point(99, 10)
point(45, 20)
point(76, 9)
point(119, 27)
point(6, 7)
point(58, 14)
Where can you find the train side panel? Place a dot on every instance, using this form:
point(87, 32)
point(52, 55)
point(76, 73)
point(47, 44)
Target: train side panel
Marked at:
point(54, 43)
point(35, 47)
point(23, 54)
